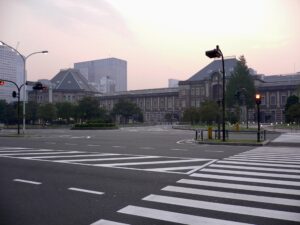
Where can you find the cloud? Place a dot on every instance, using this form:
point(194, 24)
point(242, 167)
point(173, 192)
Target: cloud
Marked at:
point(71, 14)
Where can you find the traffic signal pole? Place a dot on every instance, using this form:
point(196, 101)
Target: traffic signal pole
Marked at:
point(2, 82)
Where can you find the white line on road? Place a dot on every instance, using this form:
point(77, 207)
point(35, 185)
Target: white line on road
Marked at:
point(259, 163)
point(109, 159)
point(23, 151)
point(255, 168)
point(150, 163)
point(27, 181)
point(16, 148)
point(108, 222)
point(246, 179)
point(280, 175)
point(179, 149)
point(93, 145)
point(240, 186)
point(117, 146)
point(147, 148)
point(174, 217)
point(44, 153)
point(213, 151)
point(86, 191)
point(230, 195)
point(244, 210)
point(67, 156)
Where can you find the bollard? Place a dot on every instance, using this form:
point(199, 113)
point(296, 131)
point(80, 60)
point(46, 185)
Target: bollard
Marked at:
point(209, 132)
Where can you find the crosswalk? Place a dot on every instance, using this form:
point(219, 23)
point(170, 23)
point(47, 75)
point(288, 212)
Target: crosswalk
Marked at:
point(178, 165)
point(260, 186)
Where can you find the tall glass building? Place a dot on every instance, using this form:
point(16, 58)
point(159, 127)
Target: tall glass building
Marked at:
point(113, 69)
point(11, 68)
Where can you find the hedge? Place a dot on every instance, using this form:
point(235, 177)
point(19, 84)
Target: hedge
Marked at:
point(94, 126)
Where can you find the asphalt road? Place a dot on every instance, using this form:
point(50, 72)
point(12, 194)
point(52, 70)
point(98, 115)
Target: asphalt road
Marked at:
point(151, 175)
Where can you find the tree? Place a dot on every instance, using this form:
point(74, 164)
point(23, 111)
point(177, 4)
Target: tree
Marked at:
point(127, 110)
point(3, 106)
point(293, 113)
point(47, 112)
point(65, 110)
point(32, 111)
point(240, 87)
point(209, 112)
point(291, 100)
point(11, 114)
point(88, 108)
point(191, 115)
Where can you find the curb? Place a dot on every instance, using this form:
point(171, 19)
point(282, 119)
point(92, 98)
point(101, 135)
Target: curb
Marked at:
point(234, 143)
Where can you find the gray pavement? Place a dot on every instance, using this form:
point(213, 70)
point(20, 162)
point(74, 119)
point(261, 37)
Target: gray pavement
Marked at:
point(150, 176)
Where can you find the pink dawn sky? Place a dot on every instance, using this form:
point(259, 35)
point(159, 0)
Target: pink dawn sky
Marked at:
point(160, 39)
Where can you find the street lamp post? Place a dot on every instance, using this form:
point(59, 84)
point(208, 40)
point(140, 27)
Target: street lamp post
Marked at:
point(217, 53)
point(24, 58)
point(258, 102)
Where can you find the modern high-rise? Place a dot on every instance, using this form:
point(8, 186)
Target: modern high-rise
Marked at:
point(112, 68)
point(11, 68)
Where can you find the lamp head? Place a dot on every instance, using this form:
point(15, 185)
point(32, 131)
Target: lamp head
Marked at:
point(215, 53)
point(45, 52)
point(258, 99)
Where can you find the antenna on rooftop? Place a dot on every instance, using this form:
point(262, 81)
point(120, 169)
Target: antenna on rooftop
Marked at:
point(17, 46)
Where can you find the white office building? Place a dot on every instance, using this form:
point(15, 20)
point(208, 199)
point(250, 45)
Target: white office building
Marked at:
point(11, 68)
point(172, 83)
point(111, 70)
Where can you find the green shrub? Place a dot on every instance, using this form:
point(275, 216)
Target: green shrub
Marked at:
point(93, 125)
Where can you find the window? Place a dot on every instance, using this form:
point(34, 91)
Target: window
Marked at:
point(193, 91)
point(197, 91)
point(283, 99)
point(193, 103)
point(273, 100)
point(263, 100)
point(183, 104)
point(202, 92)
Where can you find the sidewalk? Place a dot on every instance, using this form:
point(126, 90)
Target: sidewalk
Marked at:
point(287, 139)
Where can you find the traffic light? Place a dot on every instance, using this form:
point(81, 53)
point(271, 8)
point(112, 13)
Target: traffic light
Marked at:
point(14, 94)
point(39, 86)
point(2, 82)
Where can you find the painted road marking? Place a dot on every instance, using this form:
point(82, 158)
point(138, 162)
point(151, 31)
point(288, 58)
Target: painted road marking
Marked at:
point(259, 163)
point(86, 191)
point(184, 165)
point(68, 156)
point(255, 168)
point(246, 179)
point(108, 159)
point(230, 195)
point(27, 181)
point(245, 210)
point(240, 186)
point(43, 153)
point(280, 175)
point(108, 222)
point(174, 217)
point(149, 163)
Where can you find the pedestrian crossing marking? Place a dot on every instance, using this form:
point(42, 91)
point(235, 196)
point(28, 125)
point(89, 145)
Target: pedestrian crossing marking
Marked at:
point(260, 174)
point(239, 209)
point(255, 168)
point(174, 217)
point(108, 222)
point(180, 165)
point(231, 195)
point(271, 181)
point(241, 186)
